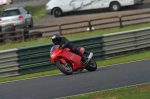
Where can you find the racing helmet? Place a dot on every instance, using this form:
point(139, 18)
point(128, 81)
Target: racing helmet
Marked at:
point(56, 39)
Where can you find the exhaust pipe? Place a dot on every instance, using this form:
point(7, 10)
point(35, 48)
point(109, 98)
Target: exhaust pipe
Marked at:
point(90, 56)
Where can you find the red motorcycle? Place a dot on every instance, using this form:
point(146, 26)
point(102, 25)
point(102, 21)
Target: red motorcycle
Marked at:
point(69, 62)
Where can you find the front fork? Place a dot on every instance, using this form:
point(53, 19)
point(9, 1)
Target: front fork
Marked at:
point(63, 61)
point(66, 65)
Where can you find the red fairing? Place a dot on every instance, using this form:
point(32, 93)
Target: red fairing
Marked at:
point(54, 54)
point(66, 54)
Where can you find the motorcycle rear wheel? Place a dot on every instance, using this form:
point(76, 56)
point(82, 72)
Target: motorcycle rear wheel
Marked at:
point(66, 69)
point(92, 65)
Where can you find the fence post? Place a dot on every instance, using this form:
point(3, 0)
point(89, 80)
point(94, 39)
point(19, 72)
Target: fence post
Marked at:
point(120, 21)
point(1, 37)
point(90, 26)
point(23, 35)
point(60, 30)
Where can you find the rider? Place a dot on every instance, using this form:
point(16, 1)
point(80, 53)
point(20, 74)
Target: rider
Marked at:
point(64, 43)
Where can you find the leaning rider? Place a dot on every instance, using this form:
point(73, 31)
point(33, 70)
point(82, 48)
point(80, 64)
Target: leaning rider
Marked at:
point(64, 43)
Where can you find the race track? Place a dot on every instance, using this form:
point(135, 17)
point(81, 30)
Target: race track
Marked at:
point(60, 85)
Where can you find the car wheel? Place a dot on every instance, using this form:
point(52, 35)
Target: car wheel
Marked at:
point(115, 6)
point(31, 24)
point(57, 12)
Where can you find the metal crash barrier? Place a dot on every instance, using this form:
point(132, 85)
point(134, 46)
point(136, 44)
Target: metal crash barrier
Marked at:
point(36, 58)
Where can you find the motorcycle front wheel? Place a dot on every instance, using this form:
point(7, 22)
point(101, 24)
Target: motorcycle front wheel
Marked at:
point(66, 69)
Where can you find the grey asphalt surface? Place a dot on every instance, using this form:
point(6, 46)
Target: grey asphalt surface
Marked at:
point(60, 85)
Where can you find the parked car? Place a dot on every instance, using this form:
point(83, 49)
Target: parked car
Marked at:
point(59, 7)
point(16, 16)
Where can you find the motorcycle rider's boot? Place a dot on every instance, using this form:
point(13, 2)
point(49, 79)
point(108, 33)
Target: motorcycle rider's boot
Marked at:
point(84, 60)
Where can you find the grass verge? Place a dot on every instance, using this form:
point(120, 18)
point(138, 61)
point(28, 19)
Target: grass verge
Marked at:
point(136, 92)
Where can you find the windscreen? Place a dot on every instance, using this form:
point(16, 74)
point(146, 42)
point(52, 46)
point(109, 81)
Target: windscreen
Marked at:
point(53, 48)
point(10, 13)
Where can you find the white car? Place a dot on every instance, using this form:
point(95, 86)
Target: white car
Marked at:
point(58, 7)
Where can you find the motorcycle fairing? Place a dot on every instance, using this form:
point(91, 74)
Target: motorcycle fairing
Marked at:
point(62, 60)
point(71, 57)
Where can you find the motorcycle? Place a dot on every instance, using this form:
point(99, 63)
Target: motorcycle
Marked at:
point(69, 62)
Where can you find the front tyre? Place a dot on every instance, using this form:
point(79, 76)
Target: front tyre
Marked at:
point(115, 6)
point(66, 69)
point(92, 65)
point(57, 12)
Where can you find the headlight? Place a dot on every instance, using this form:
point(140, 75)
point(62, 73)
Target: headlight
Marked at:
point(53, 56)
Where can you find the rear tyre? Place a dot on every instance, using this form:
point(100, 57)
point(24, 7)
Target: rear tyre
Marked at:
point(66, 69)
point(57, 12)
point(91, 66)
point(31, 24)
point(115, 6)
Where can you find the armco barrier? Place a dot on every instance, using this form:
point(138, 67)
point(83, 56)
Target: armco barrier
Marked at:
point(36, 58)
point(8, 63)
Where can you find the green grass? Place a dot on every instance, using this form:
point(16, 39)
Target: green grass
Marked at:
point(136, 92)
point(37, 11)
point(47, 40)
point(122, 59)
